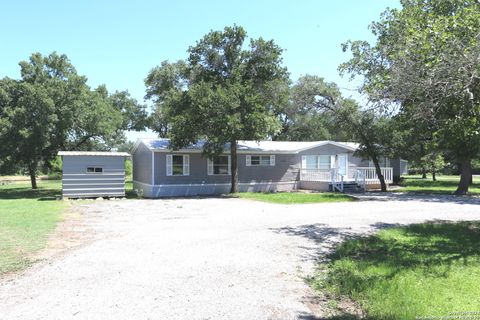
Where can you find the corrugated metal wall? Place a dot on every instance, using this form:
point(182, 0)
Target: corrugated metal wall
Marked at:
point(78, 183)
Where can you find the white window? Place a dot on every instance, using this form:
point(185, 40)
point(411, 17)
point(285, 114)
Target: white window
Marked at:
point(178, 165)
point(219, 165)
point(94, 170)
point(316, 162)
point(262, 161)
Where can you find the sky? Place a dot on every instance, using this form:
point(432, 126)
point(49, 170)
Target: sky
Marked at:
point(117, 43)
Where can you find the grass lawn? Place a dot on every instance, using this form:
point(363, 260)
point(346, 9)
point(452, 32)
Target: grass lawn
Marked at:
point(444, 184)
point(27, 217)
point(421, 270)
point(295, 197)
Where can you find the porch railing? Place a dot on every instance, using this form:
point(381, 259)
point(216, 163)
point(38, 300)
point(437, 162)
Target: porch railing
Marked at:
point(370, 175)
point(362, 175)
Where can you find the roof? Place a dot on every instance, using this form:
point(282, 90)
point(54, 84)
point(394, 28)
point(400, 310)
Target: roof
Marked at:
point(94, 153)
point(248, 146)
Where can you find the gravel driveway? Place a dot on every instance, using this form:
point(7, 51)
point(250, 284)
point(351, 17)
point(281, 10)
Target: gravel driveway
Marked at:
point(203, 258)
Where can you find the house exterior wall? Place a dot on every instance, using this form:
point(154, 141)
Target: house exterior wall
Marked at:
point(142, 164)
point(77, 183)
point(399, 167)
point(353, 161)
point(283, 176)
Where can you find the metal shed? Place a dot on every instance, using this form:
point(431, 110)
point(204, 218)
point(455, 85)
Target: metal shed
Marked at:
point(87, 174)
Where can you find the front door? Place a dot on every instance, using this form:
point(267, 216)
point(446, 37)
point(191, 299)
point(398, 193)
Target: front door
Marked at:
point(342, 164)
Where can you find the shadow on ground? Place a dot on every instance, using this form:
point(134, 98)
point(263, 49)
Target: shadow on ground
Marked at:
point(423, 197)
point(419, 248)
point(41, 194)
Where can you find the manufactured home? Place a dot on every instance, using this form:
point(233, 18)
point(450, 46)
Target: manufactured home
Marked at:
point(87, 174)
point(159, 171)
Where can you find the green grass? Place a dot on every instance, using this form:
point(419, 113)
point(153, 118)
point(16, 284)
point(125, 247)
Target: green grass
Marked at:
point(427, 269)
point(27, 217)
point(443, 185)
point(295, 197)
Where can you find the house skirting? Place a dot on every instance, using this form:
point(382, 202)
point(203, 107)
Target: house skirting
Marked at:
point(314, 185)
point(184, 190)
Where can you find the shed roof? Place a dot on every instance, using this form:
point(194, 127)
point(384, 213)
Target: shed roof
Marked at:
point(246, 146)
point(94, 153)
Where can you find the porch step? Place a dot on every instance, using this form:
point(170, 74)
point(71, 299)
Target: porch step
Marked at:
point(349, 187)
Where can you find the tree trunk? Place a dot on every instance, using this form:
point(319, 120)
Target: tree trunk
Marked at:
point(380, 176)
point(434, 176)
point(33, 179)
point(424, 170)
point(465, 177)
point(233, 166)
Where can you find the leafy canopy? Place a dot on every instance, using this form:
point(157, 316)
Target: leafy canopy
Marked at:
point(225, 91)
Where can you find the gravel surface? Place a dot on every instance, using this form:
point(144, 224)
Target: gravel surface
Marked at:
point(203, 258)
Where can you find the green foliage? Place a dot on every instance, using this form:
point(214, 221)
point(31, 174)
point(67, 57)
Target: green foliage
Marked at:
point(442, 185)
point(307, 115)
point(426, 60)
point(128, 168)
point(224, 92)
point(295, 197)
point(51, 108)
point(416, 271)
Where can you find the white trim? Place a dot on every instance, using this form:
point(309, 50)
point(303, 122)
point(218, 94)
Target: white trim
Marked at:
point(94, 174)
point(94, 169)
point(346, 162)
point(88, 189)
point(100, 179)
point(216, 184)
point(168, 164)
point(92, 195)
point(271, 160)
point(95, 184)
point(337, 144)
point(186, 165)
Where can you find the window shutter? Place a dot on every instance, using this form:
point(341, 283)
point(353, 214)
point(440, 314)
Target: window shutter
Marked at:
point(249, 160)
point(169, 164)
point(332, 161)
point(304, 162)
point(229, 164)
point(186, 165)
point(209, 167)
point(272, 160)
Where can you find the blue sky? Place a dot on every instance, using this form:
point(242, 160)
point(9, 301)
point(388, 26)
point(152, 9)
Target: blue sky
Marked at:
point(117, 42)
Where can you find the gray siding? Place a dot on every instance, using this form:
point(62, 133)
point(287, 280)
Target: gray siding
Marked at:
point(399, 167)
point(77, 183)
point(142, 164)
point(286, 169)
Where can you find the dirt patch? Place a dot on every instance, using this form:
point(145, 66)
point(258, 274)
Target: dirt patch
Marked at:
point(73, 231)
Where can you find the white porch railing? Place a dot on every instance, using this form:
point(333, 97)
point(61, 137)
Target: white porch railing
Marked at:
point(370, 175)
point(362, 176)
